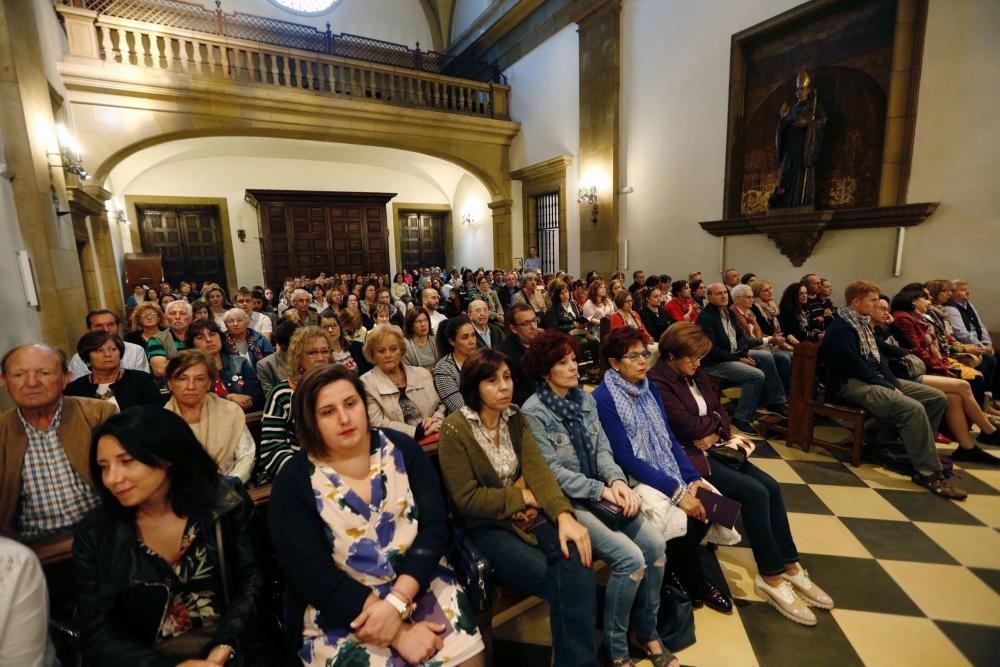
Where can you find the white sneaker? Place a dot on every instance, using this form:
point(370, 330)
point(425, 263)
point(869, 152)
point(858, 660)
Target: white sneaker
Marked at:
point(810, 592)
point(783, 598)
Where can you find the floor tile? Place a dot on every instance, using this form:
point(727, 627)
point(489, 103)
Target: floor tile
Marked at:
point(778, 469)
point(722, 641)
point(878, 477)
point(990, 476)
point(979, 643)
point(778, 641)
point(860, 584)
point(815, 472)
point(862, 503)
point(990, 577)
point(968, 480)
point(801, 498)
point(817, 534)
point(816, 453)
point(928, 507)
point(972, 546)
point(897, 540)
point(946, 592)
point(764, 450)
point(885, 639)
point(739, 568)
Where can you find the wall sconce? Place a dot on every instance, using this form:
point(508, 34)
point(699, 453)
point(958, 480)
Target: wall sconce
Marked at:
point(241, 234)
point(468, 218)
point(122, 219)
point(27, 270)
point(69, 153)
point(588, 195)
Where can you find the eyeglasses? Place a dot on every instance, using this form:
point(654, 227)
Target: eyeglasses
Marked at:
point(150, 314)
point(230, 323)
point(635, 356)
point(533, 320)
point(318, 354)
point(331, 327)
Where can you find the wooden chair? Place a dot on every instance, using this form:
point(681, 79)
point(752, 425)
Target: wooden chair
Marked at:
point(806, 402)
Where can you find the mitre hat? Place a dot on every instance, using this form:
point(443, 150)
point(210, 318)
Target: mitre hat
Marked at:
point(802, 80)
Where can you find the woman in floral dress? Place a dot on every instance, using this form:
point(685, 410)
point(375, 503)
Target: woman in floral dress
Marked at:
point(360, 528)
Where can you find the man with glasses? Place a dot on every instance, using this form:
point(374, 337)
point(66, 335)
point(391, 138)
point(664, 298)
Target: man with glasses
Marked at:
point(134, 357)
point(523, 324)
point(259, 322)
point(731, 359)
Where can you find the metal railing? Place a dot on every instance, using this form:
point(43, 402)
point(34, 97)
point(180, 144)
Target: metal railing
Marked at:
point(252, 27)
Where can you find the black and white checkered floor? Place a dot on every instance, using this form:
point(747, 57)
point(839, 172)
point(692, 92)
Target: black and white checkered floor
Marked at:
point(916, 578)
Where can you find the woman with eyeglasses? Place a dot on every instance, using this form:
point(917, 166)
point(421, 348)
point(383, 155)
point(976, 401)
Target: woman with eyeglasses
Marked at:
point(243, 340)
point(635, 421)
point(310, 347)
point(344, 351)
point(624, 316)
point(701, 425)
point(147, 321)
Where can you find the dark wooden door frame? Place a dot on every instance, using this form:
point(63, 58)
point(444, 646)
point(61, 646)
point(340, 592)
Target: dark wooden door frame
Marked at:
point(179, 209)
point(404, 208)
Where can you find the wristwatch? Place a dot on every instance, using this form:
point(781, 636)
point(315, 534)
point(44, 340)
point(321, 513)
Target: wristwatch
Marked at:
point(404, 608)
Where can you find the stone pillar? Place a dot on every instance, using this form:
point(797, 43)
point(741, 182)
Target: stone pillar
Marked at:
point(900, 114)
point(600, 80)
point(503, 251)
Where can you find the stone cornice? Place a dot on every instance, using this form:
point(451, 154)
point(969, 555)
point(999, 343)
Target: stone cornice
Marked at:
point(554, 167)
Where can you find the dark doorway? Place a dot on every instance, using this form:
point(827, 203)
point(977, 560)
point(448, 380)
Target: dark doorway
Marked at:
point(421, 240)
point(189, 239)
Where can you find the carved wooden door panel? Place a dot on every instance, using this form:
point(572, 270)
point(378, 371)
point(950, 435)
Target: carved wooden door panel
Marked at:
point(189, 239)
point(310, 238)
point(421, 240)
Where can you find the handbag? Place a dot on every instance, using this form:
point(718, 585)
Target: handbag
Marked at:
point(473, 571)
point(611, 514)
point(734, 458)
point(675, 622)
point(914, 365)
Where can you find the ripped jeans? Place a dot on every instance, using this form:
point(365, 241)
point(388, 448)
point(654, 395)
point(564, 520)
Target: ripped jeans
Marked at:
point(636, 557)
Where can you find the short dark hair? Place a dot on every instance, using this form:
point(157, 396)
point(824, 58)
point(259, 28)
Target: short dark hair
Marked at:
point(411, 319)
point(548, 348)
point(481, 365)
point(198, 327)
point(618, 341)
point(283, 332)
point(447, 331)
point(304, 402)
point(695, 285)
point(103, 311)
point(746, 278)
point(161, 439)
point(905, 297)
point(635, 274)
point(677, 287)
point(186, 359)
point(514, 310)
point(93, 340)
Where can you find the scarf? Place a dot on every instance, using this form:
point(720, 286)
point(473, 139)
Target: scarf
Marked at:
point(219, 430)
point(568, 411)
point(644, 423)
point(862, 324)
point(748, 323)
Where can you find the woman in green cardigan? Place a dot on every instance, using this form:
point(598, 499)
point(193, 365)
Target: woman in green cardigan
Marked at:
point(509, 500)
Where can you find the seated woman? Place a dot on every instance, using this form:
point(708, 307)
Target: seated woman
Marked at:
point(343, 351)
point(218, 304)
point(598, 305)
point(681, 307)
point(742, 310)
point(244, 341)
point(219, 425)
point(698, 291)
point(567, 428)
point(107, 380)
point(400, 397)
point(235, 378)
point(147, 321)
point(309, 347)
point(355, 326)
point(565, 316)
point(702, 427)
point(909, 307)
point(654, 316)
point(765, 310)
point(633, 417)
point(456, 340)
point(510, 502)
point(421, 348)
point(151, 588)
point(484, 293)
point(200, 311)
point(969, 356)
point(357, 562)
point(624, 316)
point(794, 316)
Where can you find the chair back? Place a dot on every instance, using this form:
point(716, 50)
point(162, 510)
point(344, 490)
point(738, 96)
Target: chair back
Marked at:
point(805, 362)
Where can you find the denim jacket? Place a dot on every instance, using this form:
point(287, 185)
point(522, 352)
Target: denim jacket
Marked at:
point(553, 440)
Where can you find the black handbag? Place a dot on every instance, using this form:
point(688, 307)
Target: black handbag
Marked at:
point(675, 622)
point(611, 514)
point(734, 458)
point(474, 572)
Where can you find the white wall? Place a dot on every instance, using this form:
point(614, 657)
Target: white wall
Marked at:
point(466, 11)
point(473, 244)
point(674, 116)
point(545, 99)
point(401, 21)
point(230, 177)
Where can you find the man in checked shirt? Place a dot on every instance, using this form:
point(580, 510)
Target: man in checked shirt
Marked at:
point(45, 480)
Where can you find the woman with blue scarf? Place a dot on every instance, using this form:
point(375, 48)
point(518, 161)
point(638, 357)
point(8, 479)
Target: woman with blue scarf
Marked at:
point(567, 428)
point(635, 422)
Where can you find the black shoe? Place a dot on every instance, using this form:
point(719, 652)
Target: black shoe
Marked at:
point(674, 581)
point(744, 430)
point(975, 454)
point(713, 597)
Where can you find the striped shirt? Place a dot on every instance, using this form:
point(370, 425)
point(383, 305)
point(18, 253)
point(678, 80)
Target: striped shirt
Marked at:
point(278, 439)
point(53, 495)
point(447, 375)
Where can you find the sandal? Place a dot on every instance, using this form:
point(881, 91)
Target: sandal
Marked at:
point(662, 659)
point(939, 486)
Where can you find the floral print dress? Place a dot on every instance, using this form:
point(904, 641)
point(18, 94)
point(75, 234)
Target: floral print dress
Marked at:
point(369, 540)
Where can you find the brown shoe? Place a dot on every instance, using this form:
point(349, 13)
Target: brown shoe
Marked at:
point(939, 486)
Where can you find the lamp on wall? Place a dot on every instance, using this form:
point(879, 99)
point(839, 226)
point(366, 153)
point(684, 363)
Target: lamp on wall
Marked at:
point(588, 195)
point(69, 153)
point(468, 218)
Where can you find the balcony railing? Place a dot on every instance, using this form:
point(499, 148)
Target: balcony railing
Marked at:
point(254, 28)
point(168, 40)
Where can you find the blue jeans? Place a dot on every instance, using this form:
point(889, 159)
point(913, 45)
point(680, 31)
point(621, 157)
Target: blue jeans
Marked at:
point(568, 586)
point(783, 362)
point(636, 548)
point(764, 516)
point(754, 381)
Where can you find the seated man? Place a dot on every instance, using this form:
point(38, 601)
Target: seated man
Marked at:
point(430, 300)
point(857, 372)
point(273, 369)
point(164, 346)
point(970, 330)
point(488, 334)
point(45, 482)
point(732, 359)
point(523, 324)
point(134, 357)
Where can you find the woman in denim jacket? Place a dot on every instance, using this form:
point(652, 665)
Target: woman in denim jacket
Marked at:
point(567, 427)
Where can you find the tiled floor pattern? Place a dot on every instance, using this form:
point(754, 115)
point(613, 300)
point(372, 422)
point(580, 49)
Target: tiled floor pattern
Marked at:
point(916, 578)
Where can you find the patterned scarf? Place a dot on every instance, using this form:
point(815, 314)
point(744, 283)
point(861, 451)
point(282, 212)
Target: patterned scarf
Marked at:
point(568, 411)
point(643, 422)
point(862, 324)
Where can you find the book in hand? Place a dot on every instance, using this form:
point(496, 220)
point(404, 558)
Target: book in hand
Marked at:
point(428, 608)
point(719, 509)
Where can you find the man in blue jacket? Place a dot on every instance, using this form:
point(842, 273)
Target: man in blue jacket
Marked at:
point(857, 373)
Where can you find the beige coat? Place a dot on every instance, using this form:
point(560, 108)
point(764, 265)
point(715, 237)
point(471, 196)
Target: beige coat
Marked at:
point(383, 398)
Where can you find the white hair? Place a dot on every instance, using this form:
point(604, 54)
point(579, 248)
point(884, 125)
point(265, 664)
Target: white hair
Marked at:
point(742, 290)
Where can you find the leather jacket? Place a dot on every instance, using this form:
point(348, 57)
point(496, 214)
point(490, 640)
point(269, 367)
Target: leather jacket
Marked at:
point(122, 597)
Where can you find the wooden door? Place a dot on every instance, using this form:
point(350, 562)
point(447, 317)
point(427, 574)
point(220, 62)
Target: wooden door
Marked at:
point(421, 240)
point(189, 240)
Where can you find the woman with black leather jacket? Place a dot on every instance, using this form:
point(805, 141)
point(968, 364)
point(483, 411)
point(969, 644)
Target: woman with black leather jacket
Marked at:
point(165, 569)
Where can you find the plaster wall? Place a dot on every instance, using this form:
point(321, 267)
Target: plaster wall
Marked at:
point(466, 12)
point(675, 83)
point(21, 322)
point(473, 243)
